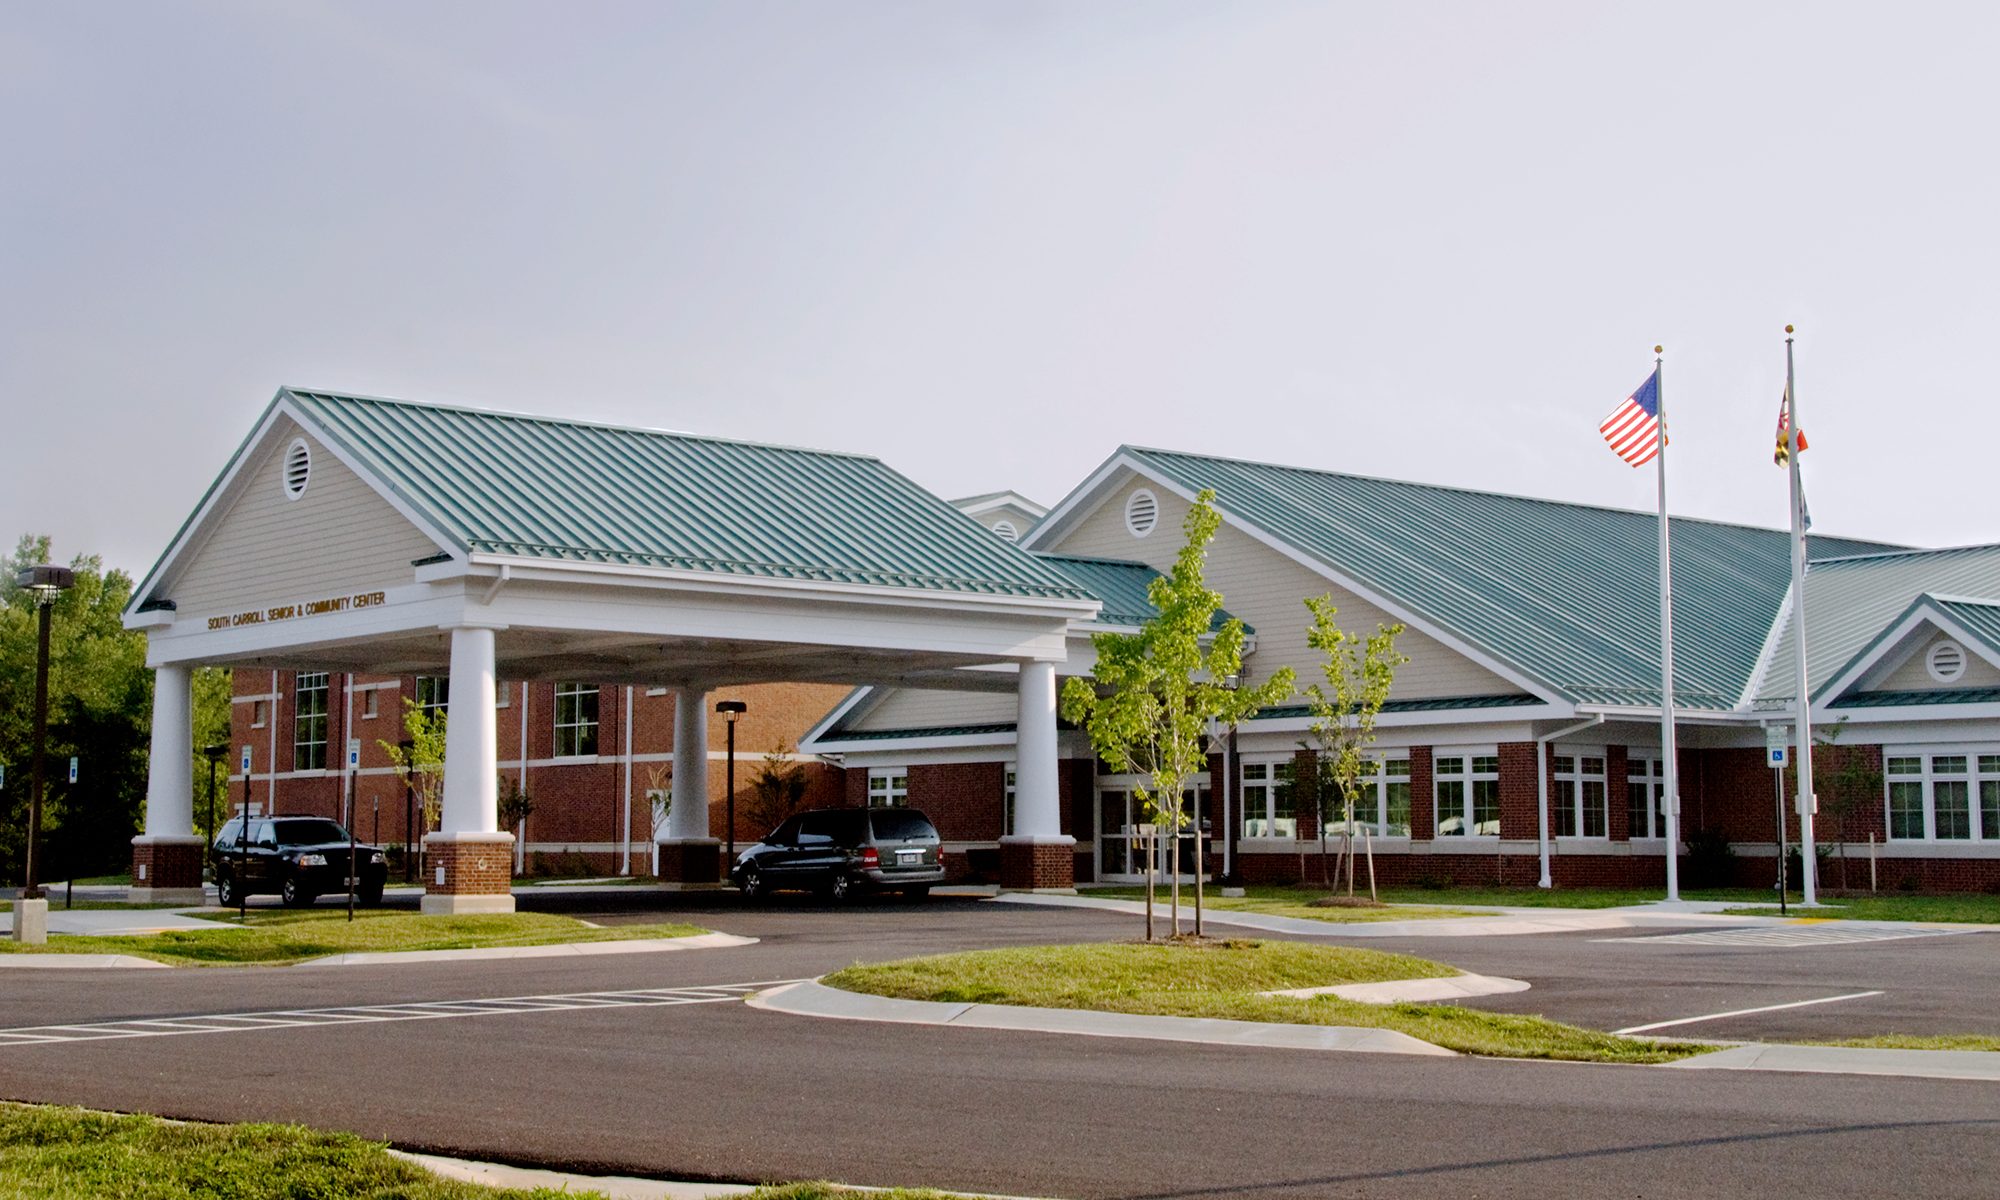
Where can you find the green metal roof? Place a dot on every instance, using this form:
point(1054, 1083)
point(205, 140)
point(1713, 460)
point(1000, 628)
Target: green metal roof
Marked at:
point(1124, 587)
point(574, 492)
point(1568, 593)
point(1901, 699)
point(1431, 704)
point(927, 731)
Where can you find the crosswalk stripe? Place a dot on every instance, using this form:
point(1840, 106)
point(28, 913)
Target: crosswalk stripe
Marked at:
point(366, 1014)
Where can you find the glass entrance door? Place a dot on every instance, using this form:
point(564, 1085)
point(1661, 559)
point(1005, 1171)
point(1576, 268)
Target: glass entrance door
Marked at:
point(1121, 851)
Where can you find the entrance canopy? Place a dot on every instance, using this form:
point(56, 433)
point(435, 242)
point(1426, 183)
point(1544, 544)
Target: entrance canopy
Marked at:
point(380, 536)
point(352, 534)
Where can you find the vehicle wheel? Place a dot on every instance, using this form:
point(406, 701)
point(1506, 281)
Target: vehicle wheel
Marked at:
point(225, 892)
point(370, 896)
point(294, 895)
point(839, 889)
point(921, 891)
point(751, 882)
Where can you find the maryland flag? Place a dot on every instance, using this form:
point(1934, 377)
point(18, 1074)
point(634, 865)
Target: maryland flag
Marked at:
point(1785, 435)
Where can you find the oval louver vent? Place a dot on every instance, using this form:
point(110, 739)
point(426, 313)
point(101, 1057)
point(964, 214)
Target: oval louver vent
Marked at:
point(1142, 512)
point(298, 469)
point(1006, 530)
point(1946, 661)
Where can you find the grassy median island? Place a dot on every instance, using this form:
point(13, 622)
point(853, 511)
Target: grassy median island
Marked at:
point(1288, 902)
point(1920, 1041)
point(271, 938)
point(1964, 910)
point(73, 1154)
point(1223, 978)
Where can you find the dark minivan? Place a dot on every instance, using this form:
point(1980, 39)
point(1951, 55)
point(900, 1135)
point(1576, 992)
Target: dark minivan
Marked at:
point(296, 858)
point(837, 852)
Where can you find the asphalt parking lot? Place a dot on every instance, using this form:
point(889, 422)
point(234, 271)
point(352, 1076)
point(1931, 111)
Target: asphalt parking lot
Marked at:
point(687, 1082)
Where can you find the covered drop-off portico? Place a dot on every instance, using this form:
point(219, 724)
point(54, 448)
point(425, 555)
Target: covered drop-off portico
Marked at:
point(351, 534)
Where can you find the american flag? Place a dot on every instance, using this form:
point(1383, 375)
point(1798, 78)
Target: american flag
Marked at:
point(1633, 428)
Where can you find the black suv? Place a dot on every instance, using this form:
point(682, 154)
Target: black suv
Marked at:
point(837, 852)
point(298, 858)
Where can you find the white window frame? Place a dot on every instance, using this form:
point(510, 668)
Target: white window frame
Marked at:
point(1569, 791)
point(503, 694)
point(888, 787)
point(1008, 776)
point(1467, 776)
point(575, 692)
point(1371, 807)
point(260, 714)
point(1981, 777)
point(302, 720)
point(427, 698)
point(1654, 781)
point(1257, 794)
point(369, 705)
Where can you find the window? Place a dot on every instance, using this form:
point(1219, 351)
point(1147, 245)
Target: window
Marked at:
point(1645, 784)
point(503, 694)
point(1382, 803)
point(368, 705)
point(433, 694)
point(1268, 810)
point(1951, 797)
point(889, 787)
point(1582, 809)
point(1007, 803)
point(576, 720)
point(1466, 791)
point(309, 725)
point(260, 713)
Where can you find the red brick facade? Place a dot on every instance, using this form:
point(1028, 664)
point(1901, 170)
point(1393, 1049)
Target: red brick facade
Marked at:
point(1039, 866)
point(167, 865)
point(465, 867)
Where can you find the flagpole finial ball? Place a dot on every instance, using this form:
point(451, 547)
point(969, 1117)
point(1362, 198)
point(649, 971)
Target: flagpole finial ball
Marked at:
point(1659, 349)
point(1788, 329)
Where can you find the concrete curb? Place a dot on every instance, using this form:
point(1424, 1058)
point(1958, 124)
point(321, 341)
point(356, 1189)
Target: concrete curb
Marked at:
point(705, 941)
point(618, 1187)
point(1412, 991)
point(1849, 1060)
point(818, 1000)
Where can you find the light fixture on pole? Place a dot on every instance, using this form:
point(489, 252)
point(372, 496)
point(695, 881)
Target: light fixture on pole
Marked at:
point(1232, 795)
point(45, 583)
point(732, 711)
point(214, 755)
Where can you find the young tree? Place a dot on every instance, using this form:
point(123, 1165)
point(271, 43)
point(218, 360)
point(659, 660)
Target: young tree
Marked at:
point(514, 809)
point(1359, 672)
point(777, 789)
point(1850, 780)
point(421, 766)
point(1148, 702)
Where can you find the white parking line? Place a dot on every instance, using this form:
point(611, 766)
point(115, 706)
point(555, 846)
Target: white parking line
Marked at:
point(1744, 1012)
point(366, 1014)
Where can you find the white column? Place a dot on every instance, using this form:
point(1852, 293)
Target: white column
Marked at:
point(687, 820)
point(166, 859)
point(471, 801)
point(170, 769)
point(1037, 799)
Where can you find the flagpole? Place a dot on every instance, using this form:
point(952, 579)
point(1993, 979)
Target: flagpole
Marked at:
point(1670, 757)
point(1808, 859)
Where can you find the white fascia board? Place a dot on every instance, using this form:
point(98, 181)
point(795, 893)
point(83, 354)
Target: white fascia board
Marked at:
point(893, 750)
point(228, 486)
point(526, 569)
point(1894, 647)
point(1005, 500)
point(856, 703)
point(1081, 501)
point(404, 610)
point(1682, 716)
point(910, 755)
point(1418, 720)
point(1928, 715)
point(775, 618)
point(1508, 671)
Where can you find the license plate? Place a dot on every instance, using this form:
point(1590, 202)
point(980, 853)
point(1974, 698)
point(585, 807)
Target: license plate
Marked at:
point(353, 883)
point(908, 857)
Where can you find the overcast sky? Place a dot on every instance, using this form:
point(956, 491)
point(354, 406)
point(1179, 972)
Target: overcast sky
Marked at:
point(989, 242)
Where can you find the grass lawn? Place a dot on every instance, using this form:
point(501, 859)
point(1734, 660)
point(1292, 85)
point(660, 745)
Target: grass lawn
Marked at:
point(1971, 910)
point(1222, 979)
point(277, 938)
point(1284, 902)
point(70, 1154)
point(1913, 1041)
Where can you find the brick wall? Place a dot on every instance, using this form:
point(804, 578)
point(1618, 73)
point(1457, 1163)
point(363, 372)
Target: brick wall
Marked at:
point(481, 868)
point(1519, 792)
point(962, 799)
point(1615, 763)
point(1423, 818)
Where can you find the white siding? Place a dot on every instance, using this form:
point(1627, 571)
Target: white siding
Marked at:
point(1914, 676)
point(920, 708)
point(339, 537)
point(1268, 590)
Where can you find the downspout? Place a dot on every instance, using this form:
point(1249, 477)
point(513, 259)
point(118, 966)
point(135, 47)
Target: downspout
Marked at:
point(521, 826)
point(271, 796)
point(499, 581)
point(1542, 786)
point(626, 867)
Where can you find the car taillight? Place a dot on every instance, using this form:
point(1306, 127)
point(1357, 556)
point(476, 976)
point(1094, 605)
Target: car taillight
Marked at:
point(871, 858)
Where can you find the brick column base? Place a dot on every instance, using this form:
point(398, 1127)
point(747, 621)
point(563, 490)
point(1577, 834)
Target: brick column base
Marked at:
point(1038, 865)
point(695, 862)
point(468, 873)
point(167, 870)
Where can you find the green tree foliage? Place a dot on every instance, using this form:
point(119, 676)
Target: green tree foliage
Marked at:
point(1359, 673)
point(1150, 699)
point(422, 765)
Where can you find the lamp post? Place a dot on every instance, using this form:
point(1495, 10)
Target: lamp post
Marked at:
point(732, 711)
point(214, 755)
point(44, 583)
point(1232, 795)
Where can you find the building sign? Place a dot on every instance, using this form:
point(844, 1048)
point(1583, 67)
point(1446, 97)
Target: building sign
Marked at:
point(304, 608)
